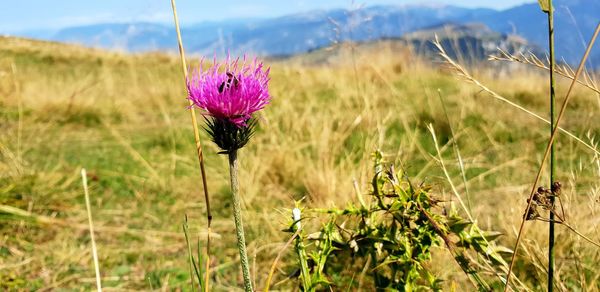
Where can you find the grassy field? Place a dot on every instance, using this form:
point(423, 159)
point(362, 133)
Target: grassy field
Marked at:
point(124, 119)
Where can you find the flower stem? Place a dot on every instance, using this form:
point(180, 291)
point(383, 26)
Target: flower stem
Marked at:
point(237, 217)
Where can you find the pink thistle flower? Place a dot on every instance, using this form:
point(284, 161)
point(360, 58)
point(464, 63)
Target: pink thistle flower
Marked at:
point(230, 91)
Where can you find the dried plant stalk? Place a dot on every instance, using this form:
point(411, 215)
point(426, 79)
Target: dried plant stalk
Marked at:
point(463, 73)
point(561, 69)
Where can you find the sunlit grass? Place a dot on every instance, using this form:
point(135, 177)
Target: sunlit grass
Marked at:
point(124, 119)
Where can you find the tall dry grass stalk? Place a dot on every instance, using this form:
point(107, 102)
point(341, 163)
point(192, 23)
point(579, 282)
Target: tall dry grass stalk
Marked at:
point(91, 226)
point(563, 70)
point(198, 145)
point(462, 72)
point(547, 153)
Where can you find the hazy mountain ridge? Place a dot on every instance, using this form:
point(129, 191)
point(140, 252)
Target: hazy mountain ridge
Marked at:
point(303, 32)
point(467, 42)
point(574, 22)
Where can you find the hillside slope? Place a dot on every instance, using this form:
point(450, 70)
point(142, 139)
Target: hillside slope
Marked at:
point(124, 119)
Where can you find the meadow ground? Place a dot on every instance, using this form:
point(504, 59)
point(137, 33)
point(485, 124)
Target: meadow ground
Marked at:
point(124, 118)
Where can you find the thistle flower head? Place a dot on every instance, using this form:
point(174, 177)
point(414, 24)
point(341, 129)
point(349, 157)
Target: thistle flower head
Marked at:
point(230, 93)
point(230, 90)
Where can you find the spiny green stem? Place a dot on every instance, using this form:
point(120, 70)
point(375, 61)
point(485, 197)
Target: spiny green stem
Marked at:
point(552, 154)
point(237, 217)
point(302, 257)
point(459, 256)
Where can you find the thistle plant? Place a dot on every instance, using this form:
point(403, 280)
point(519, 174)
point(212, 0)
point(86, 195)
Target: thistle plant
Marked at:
point(385, 243)
point(230, 93)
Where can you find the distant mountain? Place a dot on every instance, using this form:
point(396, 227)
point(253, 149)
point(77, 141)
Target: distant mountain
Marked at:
point(128, 37)
point(467, 42)
point(281, 36)
point(302, 32)
point(575, 21)
point(299, 33)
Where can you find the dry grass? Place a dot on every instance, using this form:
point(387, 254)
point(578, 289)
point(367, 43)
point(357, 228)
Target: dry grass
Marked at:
point(124, 119)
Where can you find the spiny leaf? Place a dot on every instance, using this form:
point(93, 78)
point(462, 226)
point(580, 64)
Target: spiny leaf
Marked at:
point(490, 235)
point(457, 225)
point(503, 249)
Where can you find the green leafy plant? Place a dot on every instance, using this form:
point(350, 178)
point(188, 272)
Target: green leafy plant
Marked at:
point(386, 243)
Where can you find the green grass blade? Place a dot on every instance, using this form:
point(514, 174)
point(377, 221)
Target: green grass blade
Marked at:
point(190, 256)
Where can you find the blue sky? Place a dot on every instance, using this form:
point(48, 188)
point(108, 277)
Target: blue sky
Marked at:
point(24, 15)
